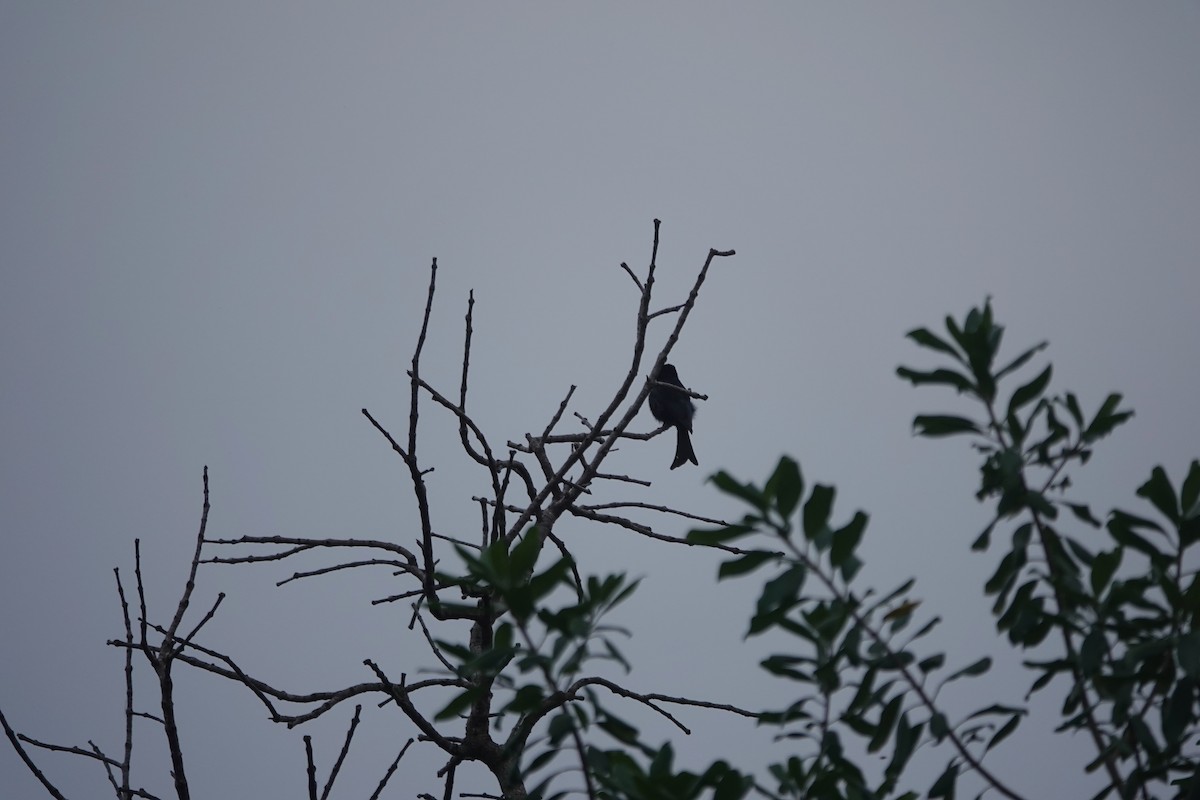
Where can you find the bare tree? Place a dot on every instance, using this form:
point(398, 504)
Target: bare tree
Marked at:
point(534, 483)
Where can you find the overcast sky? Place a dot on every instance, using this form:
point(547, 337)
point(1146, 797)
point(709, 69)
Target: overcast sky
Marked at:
point(216, 223)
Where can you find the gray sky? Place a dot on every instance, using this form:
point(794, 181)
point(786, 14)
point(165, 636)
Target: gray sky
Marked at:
point(216, 224)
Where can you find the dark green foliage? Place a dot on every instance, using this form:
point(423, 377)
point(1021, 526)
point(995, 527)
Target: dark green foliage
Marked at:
point(1120, 615)
point(1110, 601)
point(1106, 604)
point(857, 677)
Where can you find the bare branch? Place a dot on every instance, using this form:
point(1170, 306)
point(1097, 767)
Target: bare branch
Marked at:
point(15, 738)
point(337, 765)
point(646, 530)
point(577, 438)
point(459, 542)
point(127, 758)
point(348, 565)
point(683, 389)
point(304, 544)
point(410, 459)
point(395, 445)
point(606, 443)
point(141, 590)
point(636, 281)
point(437, 652)
point(190, 586)
point(564, 479)
point(312, 768)
point(78, 751)
point(397, 597)
point(211, 612)
point(562, 407)
point(387, 776)
point(488, 460)
point(607, 476)
point(400, 694)
point(663, 509)
point(108, 768)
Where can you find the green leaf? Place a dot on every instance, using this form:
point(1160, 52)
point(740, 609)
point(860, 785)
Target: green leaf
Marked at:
point(1106, 419)
point(746, 491)
point(713, 536)
point(849, 567)
point(780, 592)
point(620, 730)
point(786, 485)
point(732, 785)
point(1039, 503)
point(525, 554)
point(1083, 514)
point(996, 709)
point(934, 425)
point(935, 661)
point(544, 583)
point(1103, 567)
point(458, 705)
point(926, 338)
point(971, 670)
point(926, 628)
point(1190, 604)
point(937, 377)
point(939, 728)
point(1017, 430)
point(1177, 711)
point(660, 766)
point(1091, 652)
point(1191, 491)
point(1188, 653)
point(1006, 573)
point(1073, 407)
point(816, 510)
point(1122, 526)
point(1158, 490)
point(744, 564)
point(985, 537)
point(537, 763)
point(526, 699)
point(561, 726)
point(887, 721)
point(944, 785)
point(785, 666)
point(1020, 360)
point(1030, 391)
point(846, 539)
point(1143, 736)
point(907, 736)
point(1004, 732)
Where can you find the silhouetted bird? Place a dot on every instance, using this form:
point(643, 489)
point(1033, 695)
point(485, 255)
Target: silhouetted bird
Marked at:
point(673, 407)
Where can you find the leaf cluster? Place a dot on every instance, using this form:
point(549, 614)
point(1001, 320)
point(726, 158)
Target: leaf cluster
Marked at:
point(1113, 603)
point(855, 660)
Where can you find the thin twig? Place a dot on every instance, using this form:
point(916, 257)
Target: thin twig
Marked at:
point(127, 758)
point(400, 694)
point(387, 776)
point(78, 751)
point(647, 531)
point(311, 768)
point(636, 281)
point(15, 738)
point(655, 507)
point(337, 765)
point(190, 586)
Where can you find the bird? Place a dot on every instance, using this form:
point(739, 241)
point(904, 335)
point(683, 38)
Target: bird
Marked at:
point(672, 406)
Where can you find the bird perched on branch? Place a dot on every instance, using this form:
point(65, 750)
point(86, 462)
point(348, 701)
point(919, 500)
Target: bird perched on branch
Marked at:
point(672, 406)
